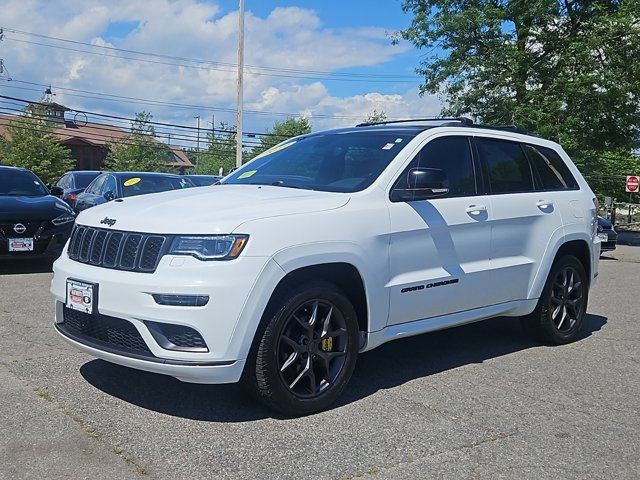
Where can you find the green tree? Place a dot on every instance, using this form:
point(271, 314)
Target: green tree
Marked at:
point(291, 127)
point(30, 143)
point(220, 153)
point(566, 69)
point(376, 116)
point(139, 151)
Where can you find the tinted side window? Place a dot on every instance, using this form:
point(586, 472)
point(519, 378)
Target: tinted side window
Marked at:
point(453, 156)
point(94, 188)
point(507, 167)
point(552, 171)
point(64, 182)
point(109, 185)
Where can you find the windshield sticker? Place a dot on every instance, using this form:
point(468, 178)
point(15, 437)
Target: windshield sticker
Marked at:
point(275, 149)
point(248, 174)
point(131, 181)
point(388, 146)
point(398, 140)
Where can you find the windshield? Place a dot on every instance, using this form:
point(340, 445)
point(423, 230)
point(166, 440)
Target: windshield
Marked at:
point(84, 179)
point(21, 183)
point(331, 162)
point(142, 184)
point(203, 180)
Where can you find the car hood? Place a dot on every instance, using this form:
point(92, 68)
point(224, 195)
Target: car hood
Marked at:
point(26, 209)
point(207, 210)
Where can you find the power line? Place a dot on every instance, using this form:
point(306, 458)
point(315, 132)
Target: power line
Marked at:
point(143, 101)
point(231, 154)
point(129, 130)
point(173, 125)
point(257, 69)
point(201, 67)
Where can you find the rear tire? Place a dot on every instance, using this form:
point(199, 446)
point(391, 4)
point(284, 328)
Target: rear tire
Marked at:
point(306, 351)
point(559, 314)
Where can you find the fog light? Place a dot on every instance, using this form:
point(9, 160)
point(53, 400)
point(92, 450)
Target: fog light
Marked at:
point(177, 337)
point(181, 300)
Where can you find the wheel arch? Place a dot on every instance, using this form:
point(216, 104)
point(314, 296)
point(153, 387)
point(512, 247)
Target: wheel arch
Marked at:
point(577, 245)
point(342, 274)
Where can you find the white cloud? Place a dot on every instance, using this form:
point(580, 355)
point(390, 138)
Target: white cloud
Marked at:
point(288, 38)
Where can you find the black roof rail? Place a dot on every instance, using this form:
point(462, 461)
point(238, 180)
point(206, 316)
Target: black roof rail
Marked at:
point(462, 120)
point(452, 122)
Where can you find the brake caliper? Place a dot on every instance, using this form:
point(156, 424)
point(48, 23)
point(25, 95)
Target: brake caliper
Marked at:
point(327, 344)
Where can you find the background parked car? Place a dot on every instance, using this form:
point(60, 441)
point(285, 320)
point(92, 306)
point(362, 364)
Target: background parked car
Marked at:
point(32, 220)
point(605, 228)
point(74, 183)
point(203, 180)
point(111, 185)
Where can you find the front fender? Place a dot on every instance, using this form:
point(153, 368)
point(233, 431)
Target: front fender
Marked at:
point(373, 271)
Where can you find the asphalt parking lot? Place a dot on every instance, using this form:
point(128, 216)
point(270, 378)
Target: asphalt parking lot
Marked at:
point(479, 401)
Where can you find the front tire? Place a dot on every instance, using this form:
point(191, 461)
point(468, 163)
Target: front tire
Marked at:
point(560, 312)
point(307, 351)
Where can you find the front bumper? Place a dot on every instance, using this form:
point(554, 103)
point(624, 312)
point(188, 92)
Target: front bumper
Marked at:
point(49, 244)
point(227, 323)
point(610, 243)
point(186, 371)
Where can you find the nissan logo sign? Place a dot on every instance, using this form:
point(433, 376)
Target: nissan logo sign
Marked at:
point(19, 228)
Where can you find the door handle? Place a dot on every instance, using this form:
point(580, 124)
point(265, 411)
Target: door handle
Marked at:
point(475, 209)
point(544, 203)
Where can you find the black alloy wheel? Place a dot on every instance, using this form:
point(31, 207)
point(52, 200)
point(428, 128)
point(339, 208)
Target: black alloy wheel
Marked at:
point(305, 350)
point(559, 314)
point(312, 348)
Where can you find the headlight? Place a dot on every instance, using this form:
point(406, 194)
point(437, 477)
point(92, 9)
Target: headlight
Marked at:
point(211, 247)
point(62, 219)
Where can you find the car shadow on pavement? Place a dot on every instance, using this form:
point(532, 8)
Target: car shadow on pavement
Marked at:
point(21, 266)
point(388, 366)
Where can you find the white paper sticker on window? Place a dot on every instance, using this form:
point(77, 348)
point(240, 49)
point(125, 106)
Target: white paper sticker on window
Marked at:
point(388, 146)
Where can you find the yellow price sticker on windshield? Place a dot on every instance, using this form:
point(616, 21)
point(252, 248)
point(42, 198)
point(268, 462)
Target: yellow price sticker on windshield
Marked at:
point(248, 174)
point(131, 181)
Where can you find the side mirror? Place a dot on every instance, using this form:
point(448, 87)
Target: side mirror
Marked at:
point(108, 196)
point(422, 183)
point(56, 191)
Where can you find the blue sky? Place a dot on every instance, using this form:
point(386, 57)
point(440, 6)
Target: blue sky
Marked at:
point(384, 14)
point(330, 35)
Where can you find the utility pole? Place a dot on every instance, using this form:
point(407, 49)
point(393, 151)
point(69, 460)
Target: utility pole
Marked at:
point(213, 126)
point(240, 72)
point(3, 66)
point(198, 141)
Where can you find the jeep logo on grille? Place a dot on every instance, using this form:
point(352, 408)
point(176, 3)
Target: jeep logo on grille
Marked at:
point(108, 221)
point(19, 228)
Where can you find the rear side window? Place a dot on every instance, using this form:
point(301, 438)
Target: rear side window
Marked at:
point(508, 169)
point(64, 182)
point(453, 156)
point(94, 188)
point(109, 185)
point(553, 173)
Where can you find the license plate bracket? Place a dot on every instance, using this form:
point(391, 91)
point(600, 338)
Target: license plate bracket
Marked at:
point(82, 295)
point(21, 244)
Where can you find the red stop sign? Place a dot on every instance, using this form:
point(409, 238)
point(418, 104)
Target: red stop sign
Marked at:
point(633, 183)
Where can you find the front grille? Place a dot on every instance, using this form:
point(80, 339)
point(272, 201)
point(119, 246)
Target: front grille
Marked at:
point(103, 329)
point(137, 252)
point(32, 229)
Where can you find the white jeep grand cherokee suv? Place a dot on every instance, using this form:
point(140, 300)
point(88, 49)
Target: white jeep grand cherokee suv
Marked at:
point(328, 245)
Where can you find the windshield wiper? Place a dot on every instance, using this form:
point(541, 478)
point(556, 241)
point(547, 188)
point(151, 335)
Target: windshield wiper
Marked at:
point(280, 183)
